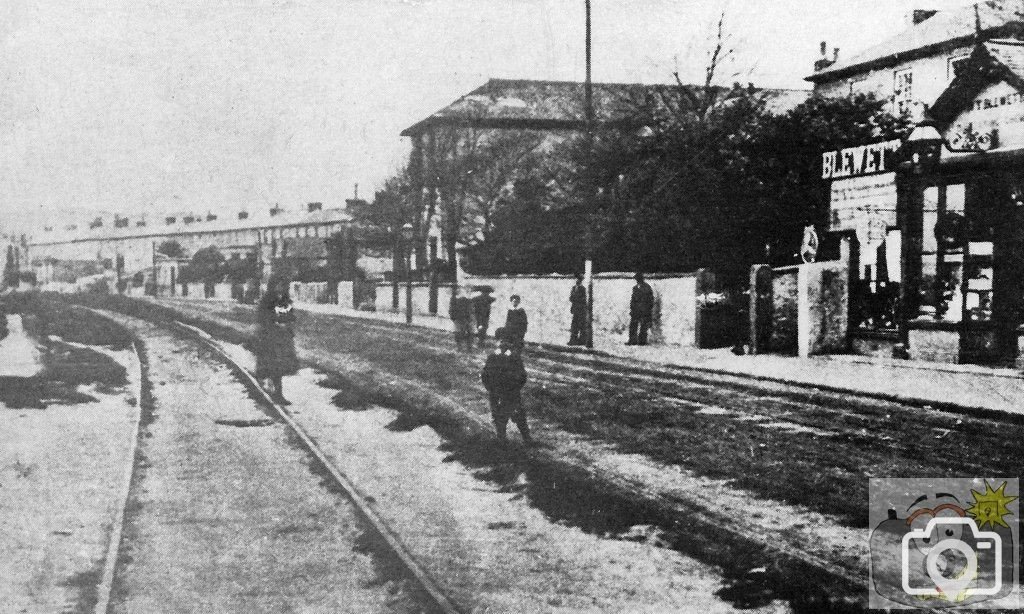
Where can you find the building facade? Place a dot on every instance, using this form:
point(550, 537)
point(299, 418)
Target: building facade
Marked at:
point(935, 221)
point(124, 250)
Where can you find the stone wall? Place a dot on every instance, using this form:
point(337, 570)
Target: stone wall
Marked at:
point(810, 306)
point(309, 292)
point(784, 310)
point(824, 307)
point(546, 300)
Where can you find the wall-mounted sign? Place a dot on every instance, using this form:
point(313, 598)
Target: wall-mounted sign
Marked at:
point(995, 118)
point(865, 205)
point(860, 160)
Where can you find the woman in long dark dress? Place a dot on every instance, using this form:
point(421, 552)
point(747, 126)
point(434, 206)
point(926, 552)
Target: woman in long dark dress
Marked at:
point(275, 343)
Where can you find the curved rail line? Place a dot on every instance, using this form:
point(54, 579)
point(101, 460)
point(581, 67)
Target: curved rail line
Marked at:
point(426, 582)
point(106, 585)
point(441, 601)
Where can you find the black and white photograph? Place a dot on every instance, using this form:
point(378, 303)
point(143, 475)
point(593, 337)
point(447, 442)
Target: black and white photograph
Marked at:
point(511, 306)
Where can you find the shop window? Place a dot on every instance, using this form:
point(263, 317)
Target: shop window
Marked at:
point(942, 252)
point(903, 91)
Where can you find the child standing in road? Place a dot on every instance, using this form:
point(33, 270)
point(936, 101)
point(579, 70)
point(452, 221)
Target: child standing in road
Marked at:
point(504, 377)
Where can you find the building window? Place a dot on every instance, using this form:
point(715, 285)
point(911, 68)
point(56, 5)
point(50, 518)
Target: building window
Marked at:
point(857, 85)
point(955, 66)
point(942, 254)
point(903, 91)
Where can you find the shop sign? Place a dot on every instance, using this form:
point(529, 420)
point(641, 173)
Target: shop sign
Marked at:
point(995, 118)
point(865, 205)
point(861, 160)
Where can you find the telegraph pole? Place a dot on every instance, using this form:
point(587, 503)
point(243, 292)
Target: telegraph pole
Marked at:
point(588, 110)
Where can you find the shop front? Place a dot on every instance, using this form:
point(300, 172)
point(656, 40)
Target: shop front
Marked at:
point(941, 276)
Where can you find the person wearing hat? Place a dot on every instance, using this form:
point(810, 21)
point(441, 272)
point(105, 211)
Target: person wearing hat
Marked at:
point(503, 377)
point(275, 339)
point(515, 323)
point(482, 311)
point(578, 309)
point(461, 312)
point(641, 311)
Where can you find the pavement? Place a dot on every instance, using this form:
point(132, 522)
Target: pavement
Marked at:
point(971, 388)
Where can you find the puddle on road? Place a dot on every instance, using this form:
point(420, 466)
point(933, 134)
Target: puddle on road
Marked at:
point(245, 423)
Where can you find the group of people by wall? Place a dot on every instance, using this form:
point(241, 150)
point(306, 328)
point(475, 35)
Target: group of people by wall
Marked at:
point(471, 317)
point(503, 374)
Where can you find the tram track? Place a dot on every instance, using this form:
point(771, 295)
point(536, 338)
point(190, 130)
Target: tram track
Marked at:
point(427, 585)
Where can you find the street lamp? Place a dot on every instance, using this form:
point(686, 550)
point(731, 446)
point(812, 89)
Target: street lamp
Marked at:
point(407, 237)
point(923, 148)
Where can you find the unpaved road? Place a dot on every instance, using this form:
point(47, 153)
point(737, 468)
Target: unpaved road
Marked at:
point(62, 466)
point(229, 518)
point(784, 464)
point(226, 518)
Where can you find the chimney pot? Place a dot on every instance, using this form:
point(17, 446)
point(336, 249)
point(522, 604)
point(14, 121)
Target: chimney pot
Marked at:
point(824, 48)
point(835, 54)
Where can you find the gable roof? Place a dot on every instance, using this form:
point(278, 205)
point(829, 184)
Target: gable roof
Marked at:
point(535, 104)
point(989, 63)
point(945, 30)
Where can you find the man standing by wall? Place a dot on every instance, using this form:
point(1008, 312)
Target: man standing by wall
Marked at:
point(641, 309)
point(578, 309)
point(461, 312)
point(482, 311)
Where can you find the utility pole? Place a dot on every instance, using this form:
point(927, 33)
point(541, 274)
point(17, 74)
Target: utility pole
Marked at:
point(588, 110)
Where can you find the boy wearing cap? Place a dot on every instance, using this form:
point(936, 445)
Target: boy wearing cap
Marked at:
point(504, 376)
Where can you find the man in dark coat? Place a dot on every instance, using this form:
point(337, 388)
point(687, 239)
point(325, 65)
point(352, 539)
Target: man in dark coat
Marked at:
point(482, 311)
point(515, 323)
point(578, 309)
point(461, 312)
point(504, 376)
point(641, 311)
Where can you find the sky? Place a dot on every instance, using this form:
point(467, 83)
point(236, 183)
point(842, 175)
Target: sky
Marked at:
point(152, 106)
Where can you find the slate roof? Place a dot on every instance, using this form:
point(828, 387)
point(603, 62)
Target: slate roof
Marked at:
point(538, 104)
point(945, 30)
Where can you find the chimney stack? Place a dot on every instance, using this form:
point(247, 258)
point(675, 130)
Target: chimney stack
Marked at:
point(311, 207)
point(824, 61)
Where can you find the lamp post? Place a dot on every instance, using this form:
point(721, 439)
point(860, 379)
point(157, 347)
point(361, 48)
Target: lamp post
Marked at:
point(407, 237)
point(919, 159)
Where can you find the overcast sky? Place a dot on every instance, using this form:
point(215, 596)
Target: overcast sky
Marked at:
point(156, 105)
